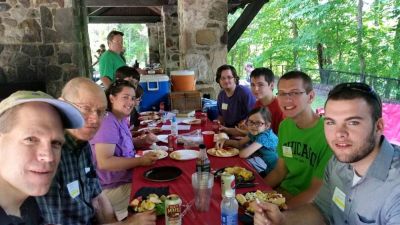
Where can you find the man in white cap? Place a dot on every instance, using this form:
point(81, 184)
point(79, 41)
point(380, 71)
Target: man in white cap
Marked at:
point(31, 136)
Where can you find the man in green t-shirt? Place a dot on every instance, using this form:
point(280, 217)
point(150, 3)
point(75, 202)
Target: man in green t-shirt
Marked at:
point(111, 59)
point(302, 147)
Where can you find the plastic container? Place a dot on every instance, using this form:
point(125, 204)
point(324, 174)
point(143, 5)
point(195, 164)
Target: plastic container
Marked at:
point(156, 89)
point(183, 80)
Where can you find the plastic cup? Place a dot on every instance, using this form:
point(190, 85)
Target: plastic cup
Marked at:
point(202, 183)
point(208, 138)
point(216, 125)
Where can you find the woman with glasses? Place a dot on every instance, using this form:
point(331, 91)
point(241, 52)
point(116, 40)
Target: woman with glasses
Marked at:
point(260, 143)
point(113, 149)
point(234, 101)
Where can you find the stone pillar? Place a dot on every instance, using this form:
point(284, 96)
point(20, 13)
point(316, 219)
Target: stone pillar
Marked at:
point(161, 46)
point(203, 40)
point(43, 41)
point(171, 40)
point(154, 52)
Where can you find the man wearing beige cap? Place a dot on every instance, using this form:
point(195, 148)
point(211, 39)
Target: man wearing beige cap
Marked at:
point(75, 196)
point(31, 136)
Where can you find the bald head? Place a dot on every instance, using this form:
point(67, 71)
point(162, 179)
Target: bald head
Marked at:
point(89, 98)
point(79, 86)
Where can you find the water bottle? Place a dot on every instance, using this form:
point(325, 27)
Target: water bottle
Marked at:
point(229, 208)
point(174, 126)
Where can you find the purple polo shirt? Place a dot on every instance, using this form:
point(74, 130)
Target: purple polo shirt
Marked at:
point(115, 132)
point(237, 107)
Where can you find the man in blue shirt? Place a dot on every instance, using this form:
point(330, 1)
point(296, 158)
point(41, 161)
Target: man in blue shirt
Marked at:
point(31, 136)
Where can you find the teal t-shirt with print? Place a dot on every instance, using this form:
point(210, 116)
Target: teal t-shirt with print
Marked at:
point(269, 142)
point(305, 152)
point(109, 62)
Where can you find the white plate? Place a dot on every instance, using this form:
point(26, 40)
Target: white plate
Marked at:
point(150, 129)
point(145, 122)
point(163, 138)
point(191, 121)
point(160, 153)
point(147, 113)
point(184, 154)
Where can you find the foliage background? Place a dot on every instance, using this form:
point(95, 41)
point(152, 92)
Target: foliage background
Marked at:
point(271, 40)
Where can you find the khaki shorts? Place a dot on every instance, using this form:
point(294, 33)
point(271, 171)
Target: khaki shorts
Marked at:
point(119, 198)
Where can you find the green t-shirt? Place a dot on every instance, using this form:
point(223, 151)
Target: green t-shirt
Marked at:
point(109, 62)
point(306, 153)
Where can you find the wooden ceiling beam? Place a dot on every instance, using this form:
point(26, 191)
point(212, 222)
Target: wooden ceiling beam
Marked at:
point(243, 21)
point(124, 19)
point(98, 11)
point(125, 3)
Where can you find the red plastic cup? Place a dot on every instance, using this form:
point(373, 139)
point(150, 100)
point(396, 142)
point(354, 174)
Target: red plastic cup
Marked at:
point(208, 138)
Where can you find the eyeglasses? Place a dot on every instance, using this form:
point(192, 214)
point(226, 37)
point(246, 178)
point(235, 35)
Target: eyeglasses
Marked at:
point(251, 123)
point(358, 87)
point(86, 110)
point(290, 94)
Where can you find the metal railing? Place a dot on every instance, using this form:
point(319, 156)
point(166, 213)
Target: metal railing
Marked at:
point(387, 88)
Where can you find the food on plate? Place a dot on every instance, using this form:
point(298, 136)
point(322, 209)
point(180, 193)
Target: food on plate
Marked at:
point(149, 113)
point(152, 202)
point(220, 140)
point(176, 155)
point(271, 197)
point(160, 153)
point(241, 174)
point(227, 152)
point(154, 130)
point(150, 117)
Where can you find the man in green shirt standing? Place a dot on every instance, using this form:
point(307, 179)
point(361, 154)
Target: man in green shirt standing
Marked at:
point(111, 59)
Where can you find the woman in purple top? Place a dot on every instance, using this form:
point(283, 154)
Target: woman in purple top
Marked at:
point(112, 147)
point(234, 101)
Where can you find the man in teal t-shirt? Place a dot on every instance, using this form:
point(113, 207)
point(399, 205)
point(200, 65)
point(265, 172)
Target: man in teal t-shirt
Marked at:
point(111, 59)
point(302, 147)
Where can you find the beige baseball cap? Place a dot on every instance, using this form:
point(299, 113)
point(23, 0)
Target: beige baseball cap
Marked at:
point(70, 116)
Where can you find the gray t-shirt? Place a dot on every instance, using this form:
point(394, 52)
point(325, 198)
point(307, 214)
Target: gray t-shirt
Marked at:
point(375, 199)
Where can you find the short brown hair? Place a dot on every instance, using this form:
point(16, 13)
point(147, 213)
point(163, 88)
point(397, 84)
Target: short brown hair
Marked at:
point(227, 67)
point(307, 82)
point(113, 33)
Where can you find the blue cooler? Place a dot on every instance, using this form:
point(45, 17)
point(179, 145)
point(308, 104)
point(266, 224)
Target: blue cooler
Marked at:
point(156, 89)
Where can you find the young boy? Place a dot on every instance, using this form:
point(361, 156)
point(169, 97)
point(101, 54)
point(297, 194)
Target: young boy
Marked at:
point(302, 148)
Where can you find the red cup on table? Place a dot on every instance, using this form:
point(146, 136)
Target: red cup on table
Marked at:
point(208, 138)
point(203, 118)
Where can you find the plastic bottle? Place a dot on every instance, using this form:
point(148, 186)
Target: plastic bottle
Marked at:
point(202, 161)
point(174, 126)
point(229, 208)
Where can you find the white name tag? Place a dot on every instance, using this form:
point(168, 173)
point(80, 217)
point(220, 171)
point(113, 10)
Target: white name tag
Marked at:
point(339, 198)
point(287, 151)
point(87, 169)
point(73, 189)
point(224, 106)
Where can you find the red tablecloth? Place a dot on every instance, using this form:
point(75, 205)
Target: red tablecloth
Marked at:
point(183, 185)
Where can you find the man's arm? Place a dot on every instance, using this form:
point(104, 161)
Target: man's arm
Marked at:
point(266, 213)
point(275, 177)
point(103, 210)
point(306, 196)
point(106, 81)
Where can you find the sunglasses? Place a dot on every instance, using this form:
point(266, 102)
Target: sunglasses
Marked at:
point(357, 87)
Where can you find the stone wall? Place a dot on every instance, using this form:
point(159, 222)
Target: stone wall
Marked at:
point(203, 40)
point(43, 40)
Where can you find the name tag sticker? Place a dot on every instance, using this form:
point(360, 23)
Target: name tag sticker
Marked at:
point(87, 169)
point(224, 106)
point(287, 151)
point(339, 198)
point(73, 189)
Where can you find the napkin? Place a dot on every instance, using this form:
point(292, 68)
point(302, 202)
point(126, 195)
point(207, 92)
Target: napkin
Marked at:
point(145, 191)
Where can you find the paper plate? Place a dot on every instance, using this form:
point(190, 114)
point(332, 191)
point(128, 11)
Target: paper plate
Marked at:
point(184, 154)
point(150, 129)
point(163, 138)
point(163, 173)
point(148, 113)
point(191, 121)
point(160, 153)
